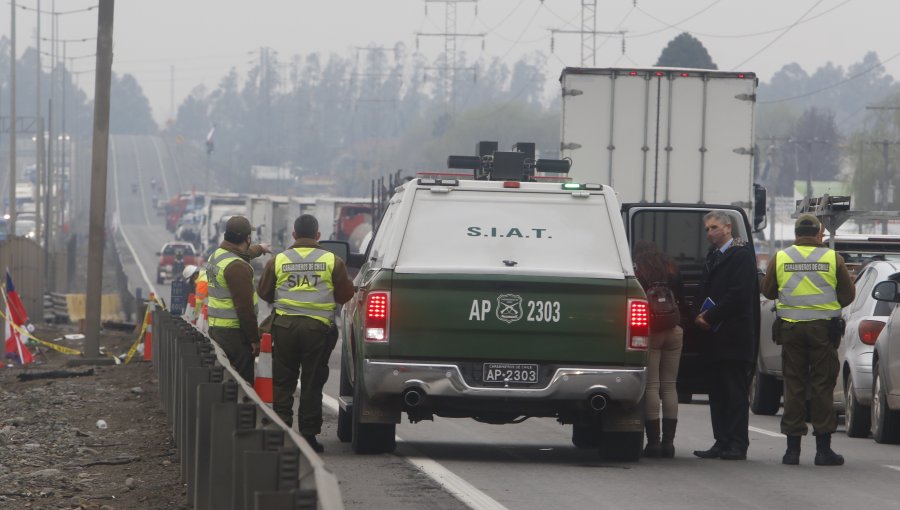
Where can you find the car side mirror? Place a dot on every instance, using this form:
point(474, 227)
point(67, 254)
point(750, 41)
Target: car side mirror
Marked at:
point(887, 291)
point(158, 253)
point(339, 248)
point(759, 207)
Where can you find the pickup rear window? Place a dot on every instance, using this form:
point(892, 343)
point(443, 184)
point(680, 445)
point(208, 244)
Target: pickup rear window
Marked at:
point(516, 233)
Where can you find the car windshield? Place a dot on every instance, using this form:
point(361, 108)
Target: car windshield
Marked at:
point(24, 227)
point(178, 249)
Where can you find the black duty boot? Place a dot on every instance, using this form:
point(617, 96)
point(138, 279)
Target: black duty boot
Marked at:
point(652, 449)
point(825, 456)
point(316, 445)
point(667, 448)
point(792, 454)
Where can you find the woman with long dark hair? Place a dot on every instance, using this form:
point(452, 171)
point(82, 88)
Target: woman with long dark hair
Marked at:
point(659, 277)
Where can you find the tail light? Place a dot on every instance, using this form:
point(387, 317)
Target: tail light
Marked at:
point(868, 331)
point(638, 324)
point(376, 323)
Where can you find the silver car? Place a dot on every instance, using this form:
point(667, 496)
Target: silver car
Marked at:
point(886, 370)
point(865, 318)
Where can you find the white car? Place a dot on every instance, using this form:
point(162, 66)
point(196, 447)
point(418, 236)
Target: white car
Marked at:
point(865, 318)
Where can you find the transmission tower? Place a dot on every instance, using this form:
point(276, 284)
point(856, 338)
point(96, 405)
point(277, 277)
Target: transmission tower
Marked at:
point(449, 68)
point(588, 34)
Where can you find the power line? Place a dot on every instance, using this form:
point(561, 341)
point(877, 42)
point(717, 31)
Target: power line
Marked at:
point(779, 36)
point(833, 85)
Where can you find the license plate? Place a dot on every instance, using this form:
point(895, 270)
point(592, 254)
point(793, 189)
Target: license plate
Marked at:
point(516, 373)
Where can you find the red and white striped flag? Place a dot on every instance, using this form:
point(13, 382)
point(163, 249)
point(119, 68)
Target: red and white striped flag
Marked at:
point(15, 316)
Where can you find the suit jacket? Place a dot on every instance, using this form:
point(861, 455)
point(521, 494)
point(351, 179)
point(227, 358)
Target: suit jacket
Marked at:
point(731, 282)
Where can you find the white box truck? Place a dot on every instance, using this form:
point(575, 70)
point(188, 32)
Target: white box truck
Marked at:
point(674, 144)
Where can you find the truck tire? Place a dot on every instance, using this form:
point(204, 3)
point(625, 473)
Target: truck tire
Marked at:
point(857, 416)
point(586, 437)
point(369, 438)
point(345, 418)
point(621, 446)
point(765, 394)
point(885, 423)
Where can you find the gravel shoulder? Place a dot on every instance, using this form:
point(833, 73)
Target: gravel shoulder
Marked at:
point(55, 452)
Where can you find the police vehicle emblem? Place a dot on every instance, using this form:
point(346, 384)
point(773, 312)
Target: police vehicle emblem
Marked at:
point(509, 307)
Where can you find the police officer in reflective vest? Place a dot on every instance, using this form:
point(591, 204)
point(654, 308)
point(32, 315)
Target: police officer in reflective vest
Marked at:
point(232, 302)
point(305, 283)
point(811, 284)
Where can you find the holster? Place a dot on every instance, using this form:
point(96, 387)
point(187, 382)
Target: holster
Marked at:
point(776, 330)
point(836, 328)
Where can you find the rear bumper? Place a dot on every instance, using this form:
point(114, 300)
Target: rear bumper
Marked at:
point(389, 379)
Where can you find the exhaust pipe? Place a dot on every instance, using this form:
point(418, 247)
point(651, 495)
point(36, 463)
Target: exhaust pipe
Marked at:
point(597, 402)
point(413, 397)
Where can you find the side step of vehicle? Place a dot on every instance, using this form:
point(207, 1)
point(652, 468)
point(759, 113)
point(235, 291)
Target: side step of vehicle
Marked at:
point(346, 403)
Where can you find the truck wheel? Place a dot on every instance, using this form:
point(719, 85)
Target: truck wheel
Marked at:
point(885, 423)
point(370, 437)
point(621, 446)
point(765, 394)
point(857, 416)
point(586, 436)
point(345, 419)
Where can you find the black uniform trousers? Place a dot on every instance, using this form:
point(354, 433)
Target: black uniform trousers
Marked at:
point(729, 409)
point(301, 347)
point(237, 348)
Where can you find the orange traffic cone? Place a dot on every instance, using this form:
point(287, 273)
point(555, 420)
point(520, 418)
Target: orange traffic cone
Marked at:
point(148, 333)
point(203, 321)
point(263, 382)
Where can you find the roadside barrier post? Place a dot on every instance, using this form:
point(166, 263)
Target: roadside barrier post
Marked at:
point(148, 334)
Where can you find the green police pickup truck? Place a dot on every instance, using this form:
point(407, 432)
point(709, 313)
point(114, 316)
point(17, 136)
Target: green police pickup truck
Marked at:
point(497, 299)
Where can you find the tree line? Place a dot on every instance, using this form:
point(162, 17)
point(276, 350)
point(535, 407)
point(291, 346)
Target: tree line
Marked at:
point(355, 117)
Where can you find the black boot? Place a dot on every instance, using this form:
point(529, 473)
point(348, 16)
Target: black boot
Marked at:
point(825, 456)
point(667, 448)
point(792, 455)
point(652, 449)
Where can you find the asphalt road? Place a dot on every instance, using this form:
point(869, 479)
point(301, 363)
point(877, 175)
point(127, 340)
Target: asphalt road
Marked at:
point(459, 463)
point(533, 465)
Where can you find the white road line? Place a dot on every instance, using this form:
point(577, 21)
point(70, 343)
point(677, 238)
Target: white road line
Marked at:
point(140, 185)
point(459, 488)
point(895, 468)
point(765, 432)
point(112, 145)
point(162, 168)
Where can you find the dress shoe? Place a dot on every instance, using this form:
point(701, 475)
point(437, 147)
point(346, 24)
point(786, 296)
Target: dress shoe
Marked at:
point(733, 453)
point(316, 445)
point(713, 453)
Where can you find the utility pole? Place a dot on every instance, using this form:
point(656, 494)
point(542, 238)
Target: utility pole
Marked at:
point(12, 117)
point(39, 136)
point(450, 35)
point(884, 187)
point(588, 34)
point(102, 82)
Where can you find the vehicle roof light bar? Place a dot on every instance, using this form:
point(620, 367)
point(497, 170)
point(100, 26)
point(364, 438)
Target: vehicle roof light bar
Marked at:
point(519, 164)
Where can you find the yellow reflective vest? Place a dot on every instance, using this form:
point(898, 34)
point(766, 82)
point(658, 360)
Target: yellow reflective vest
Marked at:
point(220, 308)
point(807, 283)
point(303, 284)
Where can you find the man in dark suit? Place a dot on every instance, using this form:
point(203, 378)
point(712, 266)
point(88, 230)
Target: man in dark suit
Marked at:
point(731, 316)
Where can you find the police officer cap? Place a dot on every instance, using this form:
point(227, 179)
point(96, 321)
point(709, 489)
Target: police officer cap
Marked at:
point(807, 222)
point(238, 225)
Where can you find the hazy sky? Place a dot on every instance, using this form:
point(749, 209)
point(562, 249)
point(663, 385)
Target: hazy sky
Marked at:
point(203, 39)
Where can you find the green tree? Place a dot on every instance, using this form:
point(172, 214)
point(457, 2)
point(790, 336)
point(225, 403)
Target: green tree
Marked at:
point(129, 111)
point(875, 154)
point(685, 50)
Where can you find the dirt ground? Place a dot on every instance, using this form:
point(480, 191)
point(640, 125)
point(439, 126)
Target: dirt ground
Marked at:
point(55, 452)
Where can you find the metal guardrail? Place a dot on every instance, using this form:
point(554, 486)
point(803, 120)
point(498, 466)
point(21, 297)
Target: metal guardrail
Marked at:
point(234, 451)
